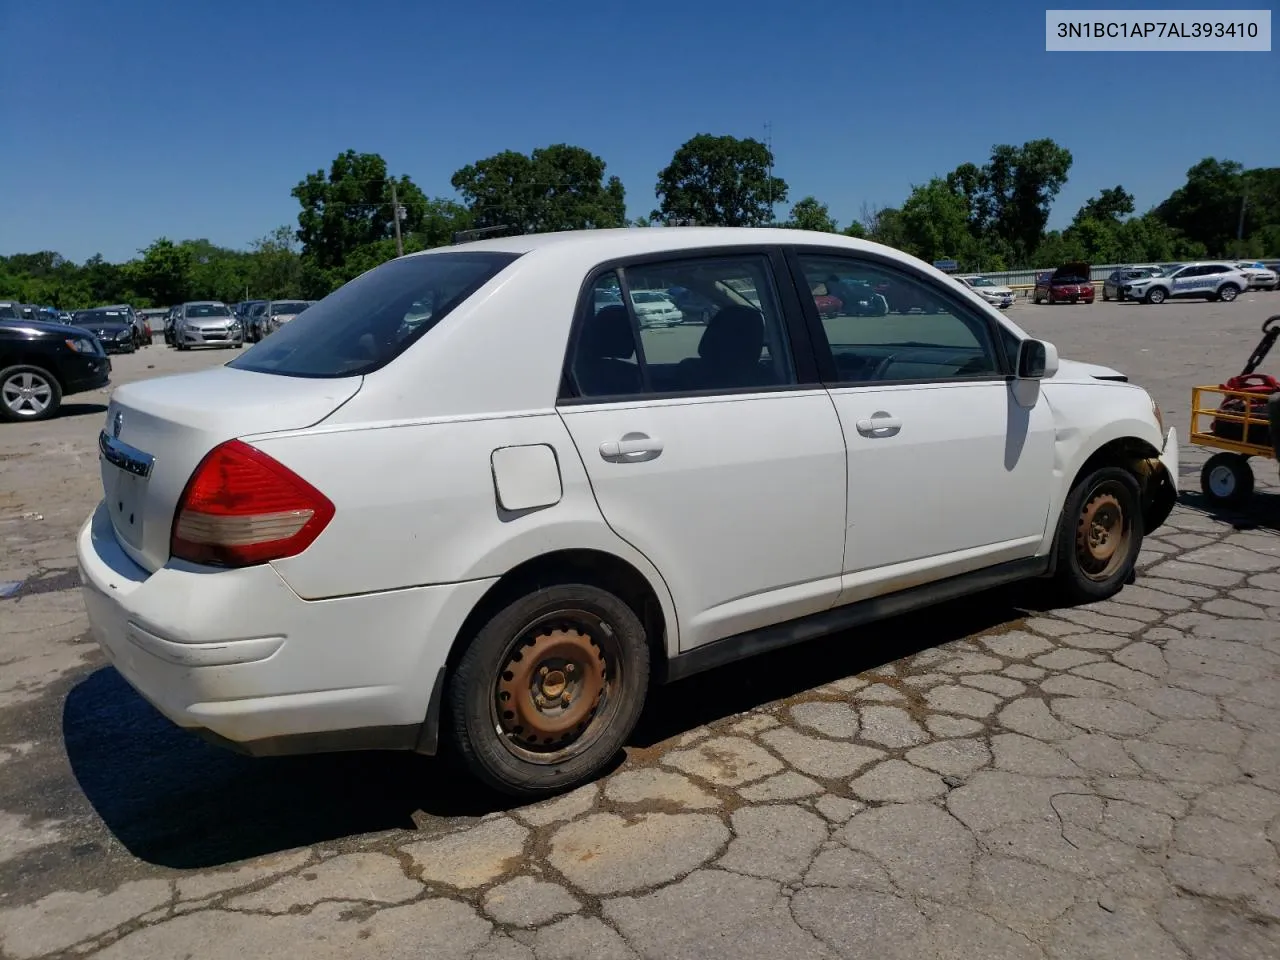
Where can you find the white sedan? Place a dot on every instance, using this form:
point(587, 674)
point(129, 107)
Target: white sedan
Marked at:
point(996, 294)
point(655, 308)
point(492, 530)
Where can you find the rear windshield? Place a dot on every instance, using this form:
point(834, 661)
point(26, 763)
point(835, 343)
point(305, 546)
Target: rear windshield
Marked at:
point(367, 323)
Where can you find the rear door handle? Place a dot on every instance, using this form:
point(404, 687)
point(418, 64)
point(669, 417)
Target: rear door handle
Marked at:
point(879, 424)
point(633, 448)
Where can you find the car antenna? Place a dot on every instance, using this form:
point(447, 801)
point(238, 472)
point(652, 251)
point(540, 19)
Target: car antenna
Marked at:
point(479, 233)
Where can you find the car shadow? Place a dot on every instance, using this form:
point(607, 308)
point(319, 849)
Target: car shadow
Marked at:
point(174, 800)
point(782, 674)
point(68, 410)
point(1260, 512)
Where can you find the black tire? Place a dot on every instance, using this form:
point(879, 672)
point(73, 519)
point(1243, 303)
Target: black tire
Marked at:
point(18, 406)
point(1089, 566)
point(1228, 292)
point(1226, 479)
point(491, 741)
point(1156, 295)
point(1105, 296)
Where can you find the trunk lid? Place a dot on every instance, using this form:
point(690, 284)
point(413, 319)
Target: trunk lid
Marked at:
point(157, 432)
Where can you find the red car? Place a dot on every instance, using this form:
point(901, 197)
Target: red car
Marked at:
point(1069, 283)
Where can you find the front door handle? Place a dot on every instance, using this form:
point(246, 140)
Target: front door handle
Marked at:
point(632, 448)
point(879, 424)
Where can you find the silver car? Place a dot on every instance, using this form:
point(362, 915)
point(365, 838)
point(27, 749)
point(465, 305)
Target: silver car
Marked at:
point(277, 313)
point(1213, 280)
point(207, 323)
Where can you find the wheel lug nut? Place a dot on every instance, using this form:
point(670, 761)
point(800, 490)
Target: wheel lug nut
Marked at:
point(568, 668)
point(543, 672)
point(565, 700)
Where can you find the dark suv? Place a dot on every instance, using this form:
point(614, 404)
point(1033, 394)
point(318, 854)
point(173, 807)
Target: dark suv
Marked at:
point(40, 363)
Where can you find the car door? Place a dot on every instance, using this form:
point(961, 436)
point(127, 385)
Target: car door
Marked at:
point(713, 450)
point(1189, 282)
point(949, 466)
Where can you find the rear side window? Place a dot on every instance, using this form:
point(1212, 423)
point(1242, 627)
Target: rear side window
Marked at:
point(368, 322)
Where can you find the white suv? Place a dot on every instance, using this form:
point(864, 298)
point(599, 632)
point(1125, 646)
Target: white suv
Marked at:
point(1206, 281)
point(494, 528)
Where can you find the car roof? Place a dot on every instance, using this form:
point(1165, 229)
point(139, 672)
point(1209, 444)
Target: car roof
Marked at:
point(617, 242)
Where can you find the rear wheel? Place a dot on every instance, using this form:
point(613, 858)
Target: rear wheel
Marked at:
point(1226, 479)
point(1228, 292)
point(28, 393)
point(549, 689)
point(1099, 536)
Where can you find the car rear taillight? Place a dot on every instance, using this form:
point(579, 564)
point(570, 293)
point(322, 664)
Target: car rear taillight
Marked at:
point(241, 507)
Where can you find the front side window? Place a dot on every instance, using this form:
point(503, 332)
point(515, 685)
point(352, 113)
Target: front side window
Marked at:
point(371, 320)
point(882, 325)
point(712, 324)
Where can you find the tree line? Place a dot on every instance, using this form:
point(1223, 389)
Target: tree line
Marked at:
point(991, 217)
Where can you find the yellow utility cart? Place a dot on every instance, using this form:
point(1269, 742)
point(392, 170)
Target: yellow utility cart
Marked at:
point(1234, 419)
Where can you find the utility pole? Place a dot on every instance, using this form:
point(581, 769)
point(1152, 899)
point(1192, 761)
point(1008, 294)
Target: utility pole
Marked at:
point(1244, 200)
point(768, 145)
point(395, 215)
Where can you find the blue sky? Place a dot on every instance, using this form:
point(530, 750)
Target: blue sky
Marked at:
point(130, 120)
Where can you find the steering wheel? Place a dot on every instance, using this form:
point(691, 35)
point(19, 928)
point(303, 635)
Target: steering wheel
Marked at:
point(883, 366)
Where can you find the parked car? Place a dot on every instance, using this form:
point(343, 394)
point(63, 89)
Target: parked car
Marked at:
point(41, 363)
point(1206, 281)
point(1113, 286)
point(996, 294)
point(142, 333)
point(1259, 275)
point(254, 321)
point(495, 529)
point(112, 328)
point(207, 323)
point(1070, 283)
point(10, 310)
point(277, 313)
point(171, 325)
point(154, 318)
point(655, 309)
point(826, 305)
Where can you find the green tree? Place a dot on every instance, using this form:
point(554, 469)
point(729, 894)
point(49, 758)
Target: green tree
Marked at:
point(810, 214)
point(1020, 184)
point(560, 187)
point(350, 207)
point(275, 266)
point(720, 181)
point(163, 274)
point(935, 222)
point(1109, 205)
point(855, 229)
point(884, 225)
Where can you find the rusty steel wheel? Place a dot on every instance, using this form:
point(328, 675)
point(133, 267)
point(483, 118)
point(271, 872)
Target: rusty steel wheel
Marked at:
point(1101, 535)
point(548, 688)
point(551, 685)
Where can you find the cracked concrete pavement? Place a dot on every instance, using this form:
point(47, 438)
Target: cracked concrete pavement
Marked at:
point(988, 779)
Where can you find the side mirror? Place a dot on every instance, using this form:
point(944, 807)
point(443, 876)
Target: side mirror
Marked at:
point(1037, 359)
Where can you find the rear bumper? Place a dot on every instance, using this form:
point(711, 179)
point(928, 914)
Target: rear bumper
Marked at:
point(237, 655)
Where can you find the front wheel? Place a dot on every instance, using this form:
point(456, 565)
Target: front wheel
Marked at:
point(1156, 295)
point(1226, 479)
point(28, 393)
point(1099, 536)
point(549, 689)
